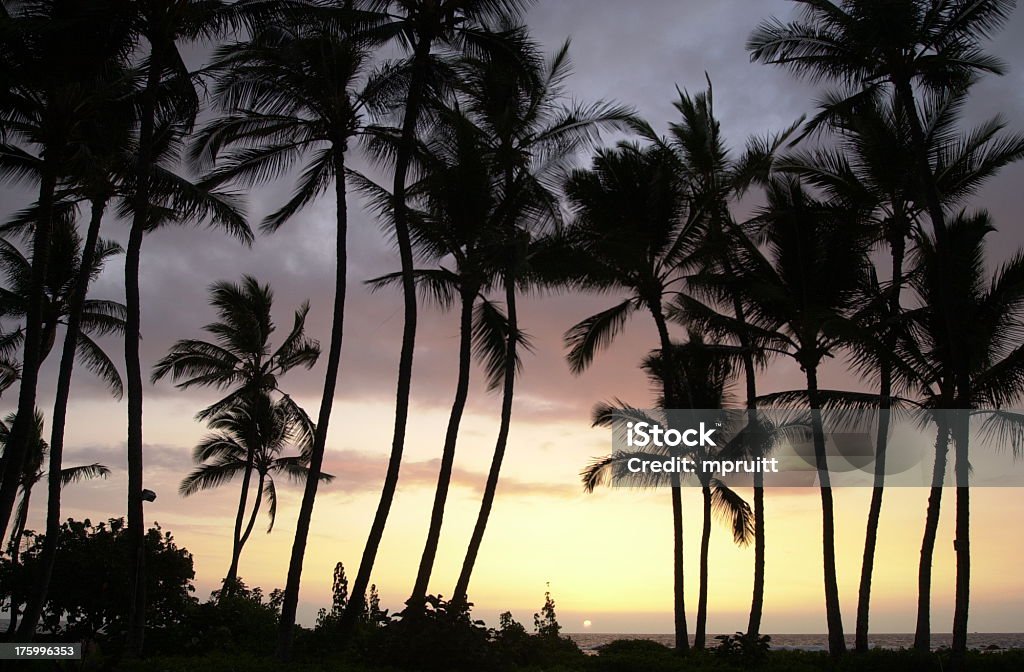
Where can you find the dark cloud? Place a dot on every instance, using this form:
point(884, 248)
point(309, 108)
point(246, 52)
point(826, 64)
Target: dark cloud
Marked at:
point(636, 53)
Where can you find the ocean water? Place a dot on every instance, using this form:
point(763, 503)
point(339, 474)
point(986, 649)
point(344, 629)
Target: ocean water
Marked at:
point(591, 642)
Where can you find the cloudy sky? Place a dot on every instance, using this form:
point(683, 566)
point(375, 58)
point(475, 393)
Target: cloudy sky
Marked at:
point(606, 556)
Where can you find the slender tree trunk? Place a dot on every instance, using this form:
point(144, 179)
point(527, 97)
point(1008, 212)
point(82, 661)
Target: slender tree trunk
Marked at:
point(17, 444)
point(15, 550)
point(58, 423)
point(20, 521)
point(881, 443)
point(252, 516)
point(750, 378)
point(290, 602)
point(236, 540)
point(678, 570)
point(922, 636)
point(460, 594)
point(700, 630)
point(834, 617)
point(444, 476)
point(962, 543)
point(232, 571)
point(133, 365)
point(405, 358)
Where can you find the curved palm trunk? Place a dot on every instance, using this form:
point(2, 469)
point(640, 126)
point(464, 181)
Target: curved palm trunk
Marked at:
point(17, 444)
point(834, 617)
point(702, 597)
point(678, 574)
point(290, 602)
point(133, 366)
point(58, 423)
point(444, 476)
point(255, 510)
point(962, 542)
point(236, 540)
point(387, 495)
point(20, 521)
point(923, 635)
point(460, 594)
point(15, 547)
point(881, 443)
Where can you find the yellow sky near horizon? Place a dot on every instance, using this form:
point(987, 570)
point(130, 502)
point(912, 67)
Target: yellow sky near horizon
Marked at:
point(606, 556)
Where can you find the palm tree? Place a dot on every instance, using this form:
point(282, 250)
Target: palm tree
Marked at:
point(866, 45)
point(97, 318)
point(629, 235)
point(701, 377)
point(714, 179)
point(167, 106)
point(57, 55)
point(532, 133)
point(273, 425)
point(453, 214)
point(289, 96)
point(32, 473)
point(978, 371)
point(800, 301)
point(872, 170)
point(419, 28)
point(241, 361)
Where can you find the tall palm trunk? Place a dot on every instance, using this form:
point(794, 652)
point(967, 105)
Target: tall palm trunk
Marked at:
point(444, 476)
point(700, 628)
point(897, 246)
point(750, 378)
point(491, 487)
point(962, 542)
point(58, 422)
point(682, 637)
point(922, 636)
point(236, 540)
point(834, 617)
point(255, 510)
point(290, 602)
point(387, 495)
point(21, 520)
point(133, 365)
point(17, 444)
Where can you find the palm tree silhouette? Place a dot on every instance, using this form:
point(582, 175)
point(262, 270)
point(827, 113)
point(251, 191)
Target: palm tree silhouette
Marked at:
point(872, 170)
point(32, 473)
point(454, 212)
point(290, 96)
point(167, 106)
point(533, 132)
point(714, 179)
point(241, 361)
point(57, 55)
point(273, 425)
point(867, 46)
point(701, 374)
point(800, 300)
point(423, 78)
point(97, 318)
point(630, 235)
point(977, 371)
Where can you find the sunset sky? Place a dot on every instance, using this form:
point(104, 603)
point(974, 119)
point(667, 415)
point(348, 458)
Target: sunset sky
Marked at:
point(607, 556)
